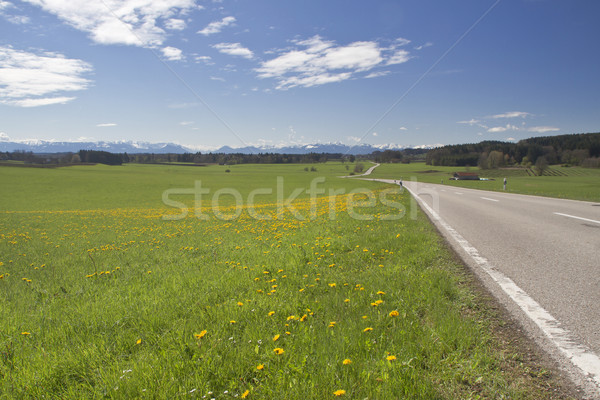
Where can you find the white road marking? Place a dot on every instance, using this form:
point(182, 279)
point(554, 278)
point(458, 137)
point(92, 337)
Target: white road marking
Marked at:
point(580, 356)
point(488, 199)
point(458, 192)
point(581, 218)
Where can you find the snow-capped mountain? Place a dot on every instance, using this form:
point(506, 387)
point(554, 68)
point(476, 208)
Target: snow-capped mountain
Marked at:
point(48, 146)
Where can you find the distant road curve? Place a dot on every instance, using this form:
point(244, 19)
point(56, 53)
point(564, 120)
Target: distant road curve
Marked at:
point(539, 256)
point(368, 172)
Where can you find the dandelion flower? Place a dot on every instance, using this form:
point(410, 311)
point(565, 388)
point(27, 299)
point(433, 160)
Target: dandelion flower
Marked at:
point(245, 394)
point(200, 335)
point(139, 341)
point(276, 337)
point(332, 284)
point(25, 333)
point(347, 361)
point(369, 329)
point(239, 303)
point(347, 301)
point(271, 313)
point(391, 358)
point(340, 392)
point(380, 292)
point(394, 313)
point(232, 322)
point(279, 351)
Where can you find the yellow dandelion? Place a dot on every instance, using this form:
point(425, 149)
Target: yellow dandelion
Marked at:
point(279, 351)
point(369, 329)
point(200, 335)
point(288, 333)
point(260, 367)
point(239, 303)
point(380, 292)
point(332, 284)
point(245, 394)
point(347, 361)
point(391, 358)
point(347, 301)
point(271, 313)
point(303, 318)
point(232, 322)
point(394, 313)
point(340, 392)
point(276, 337)
point(139, 341)
point(25, 333)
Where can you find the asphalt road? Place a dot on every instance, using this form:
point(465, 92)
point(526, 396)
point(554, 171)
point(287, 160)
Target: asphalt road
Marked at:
point(544, 251)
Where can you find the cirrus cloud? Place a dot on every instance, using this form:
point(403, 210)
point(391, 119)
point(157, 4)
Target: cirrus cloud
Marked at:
point(129, 22)
point(217, 26)
point(234, 49)
point(31, 80)
point(316, 61)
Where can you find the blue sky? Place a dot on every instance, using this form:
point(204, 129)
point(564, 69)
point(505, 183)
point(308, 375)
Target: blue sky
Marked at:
point(274, 72)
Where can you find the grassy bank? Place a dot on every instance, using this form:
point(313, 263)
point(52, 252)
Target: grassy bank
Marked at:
point(337, 296)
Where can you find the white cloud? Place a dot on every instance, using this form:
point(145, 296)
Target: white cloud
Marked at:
point(106, 125)
point(421, 47)
point(3, 136)
point(511, 114)
point(503, 128)
point(403, 128)
point(471, 122)
point(186, 123)
point(233, 49)
point(31, 80)
point(217, 26)
point(172, 53)
point(15, 19)
point(175, 24)
point(542, 129)
point(129, 22)
point(377, 74)
point(316, 61)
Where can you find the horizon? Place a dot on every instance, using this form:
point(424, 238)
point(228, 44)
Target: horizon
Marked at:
point(209, 74)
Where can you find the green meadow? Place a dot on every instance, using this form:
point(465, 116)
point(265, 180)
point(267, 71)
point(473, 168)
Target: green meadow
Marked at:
point(574, 183)
point(300, 293)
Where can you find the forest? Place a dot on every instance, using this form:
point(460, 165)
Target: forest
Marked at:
point(575, 149)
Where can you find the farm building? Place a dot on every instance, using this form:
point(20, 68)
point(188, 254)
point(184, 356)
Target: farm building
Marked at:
point(462, 176)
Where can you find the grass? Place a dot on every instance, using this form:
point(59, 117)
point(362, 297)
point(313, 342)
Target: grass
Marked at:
point(102, 298)
point(562, 182)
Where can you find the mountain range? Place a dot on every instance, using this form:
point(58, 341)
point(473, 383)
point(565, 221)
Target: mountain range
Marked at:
point(130, 147)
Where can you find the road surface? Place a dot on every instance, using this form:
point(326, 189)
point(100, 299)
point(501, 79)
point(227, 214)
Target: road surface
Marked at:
point(540, 256)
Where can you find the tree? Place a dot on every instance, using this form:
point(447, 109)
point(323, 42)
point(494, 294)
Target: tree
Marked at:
point(541, 165)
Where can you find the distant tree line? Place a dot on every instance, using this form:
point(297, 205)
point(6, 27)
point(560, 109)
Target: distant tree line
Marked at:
point(577, 149)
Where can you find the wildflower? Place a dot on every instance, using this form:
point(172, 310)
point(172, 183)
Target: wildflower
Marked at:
point(292, 317)
point(245, 394)
point(25, 333)
point(332, 284)
point(347, 361)
point(149, 272)
point(200, 335)
point(340, 392)
point(271, 313)
point(260, 367)
point(369, 329)
point(232, 322)
point(394, 313)
point(288, 333)
point(139, 341)
point(276, 337)
point(303, 318)
point(347, 301)
point(279, 351)
point(391, 358)
point(239, 303)
point(380, 292)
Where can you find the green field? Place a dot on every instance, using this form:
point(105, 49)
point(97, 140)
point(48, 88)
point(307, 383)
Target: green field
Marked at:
point(338, 295)
point(563, 182)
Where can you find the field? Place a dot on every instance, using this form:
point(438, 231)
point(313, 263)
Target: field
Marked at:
point(562, 182)
point(292, 293)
